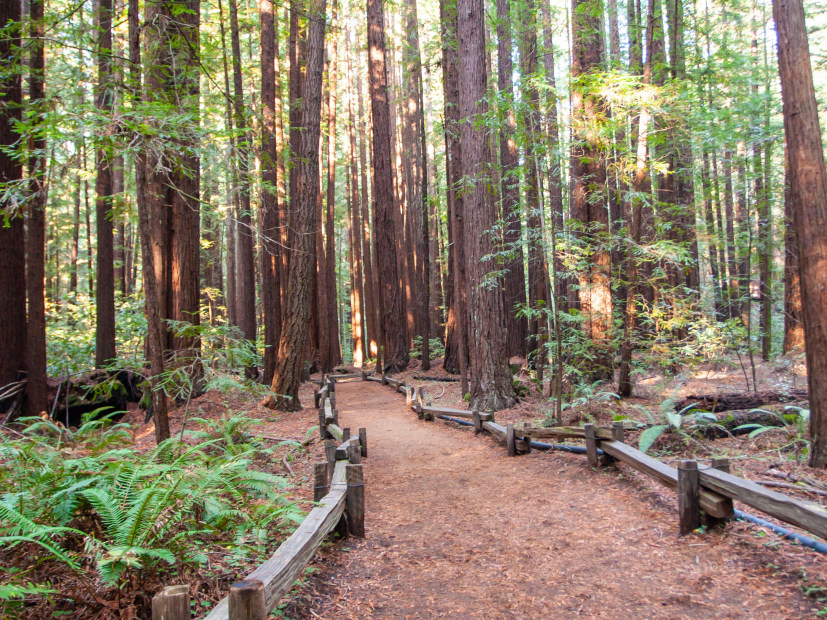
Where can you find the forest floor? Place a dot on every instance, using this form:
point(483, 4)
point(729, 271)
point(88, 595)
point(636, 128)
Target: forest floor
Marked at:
point(457, 529)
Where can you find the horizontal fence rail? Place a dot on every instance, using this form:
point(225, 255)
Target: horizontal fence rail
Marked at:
point(340, 496)
point(705, 494)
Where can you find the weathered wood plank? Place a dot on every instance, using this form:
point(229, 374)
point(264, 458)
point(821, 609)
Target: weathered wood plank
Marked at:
point(246, 600)
point(689, 490)
point(806, 515)
point(343, 449)
point(336, 432)
point(171, 603)
point(288, 562)
point(564, 432)
point(374, 379)
point(498, 430)
point(350, 375)
point(712, 503)
point(591, 445)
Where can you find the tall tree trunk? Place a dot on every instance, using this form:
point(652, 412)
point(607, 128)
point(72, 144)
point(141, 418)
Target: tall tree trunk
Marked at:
point(793, 324)
point(390, 296)
point(640, 185)
point(271, 224)
point(155, 347)
point(491, 387)
point(331, 340)
point(13, 261)
point(538, 276)
point(371, 282)
point(36, 399)
point(359, 311)
point(515, 271)
point(285, 387)
point(105, 289)
point(456, 328)
point(246, 278)
point(417, 182)
point(588, 178)
point(172, 37)
point(808, 193)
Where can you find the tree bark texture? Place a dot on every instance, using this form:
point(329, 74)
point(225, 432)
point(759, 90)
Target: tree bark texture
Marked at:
point(808, 193)
point(285, 387)
point(588, 181)
point(390, 295)
point(172, 40)
point(105, 259)
point(515, 293)
point(271, 223)
point(490, 385)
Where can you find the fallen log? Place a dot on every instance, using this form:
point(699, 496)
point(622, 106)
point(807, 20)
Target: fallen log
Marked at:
point(747, 400)
point(433, 378)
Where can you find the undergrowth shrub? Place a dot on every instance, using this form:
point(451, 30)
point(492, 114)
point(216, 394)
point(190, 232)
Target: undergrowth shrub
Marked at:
point(85, 507)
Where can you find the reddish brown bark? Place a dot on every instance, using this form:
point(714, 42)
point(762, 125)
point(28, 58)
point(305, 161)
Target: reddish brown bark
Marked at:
point(514, 280)
point(390, 295)
point(793, 324)
point(105, 289)
point(245, 267)
point(285, 387)
point(36, 399)
point(808, 193)
point(491, 387)
point(155, 347)
point(271, 224)
point(588, 179)
point(173, 188)
point(456, 327)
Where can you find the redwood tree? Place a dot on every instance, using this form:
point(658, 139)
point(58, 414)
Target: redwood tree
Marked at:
point(285, 387)
point(391, 319)
point(491, 386)
point(588, 178)
point(808, 197)
point(36, 400)
point(105, 288)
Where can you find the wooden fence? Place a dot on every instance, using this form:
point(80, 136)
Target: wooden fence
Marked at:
point(339, 491)
point(705, 493)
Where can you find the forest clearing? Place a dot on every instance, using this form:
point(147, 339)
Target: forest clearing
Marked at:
point(413, 308)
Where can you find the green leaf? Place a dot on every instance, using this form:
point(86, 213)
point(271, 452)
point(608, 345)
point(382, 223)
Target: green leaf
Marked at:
point(650, 436)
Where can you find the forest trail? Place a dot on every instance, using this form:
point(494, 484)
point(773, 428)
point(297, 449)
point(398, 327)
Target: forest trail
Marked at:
point(457, 529)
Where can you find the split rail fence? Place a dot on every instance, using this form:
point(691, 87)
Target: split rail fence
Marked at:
point(705, 494)
point(340, 496)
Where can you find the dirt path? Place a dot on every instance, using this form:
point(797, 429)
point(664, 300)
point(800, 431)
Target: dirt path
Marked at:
point(456, 529)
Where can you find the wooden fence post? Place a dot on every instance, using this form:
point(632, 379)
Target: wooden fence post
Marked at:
point(475, 415)
point(246, 600)
point(384, 379)
point(330, 455)
point(409, 397)
point(324, 434)
point(335, 415)
point(618, 431)
point(345, 434)
point(689, 489)
point(591, 445)
point(172, 603)
point(321, 487)
point(510, 440)
point(363, 441)
point(722, 464)
point(355, 504)
point(316, 398)
point(354, 454)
